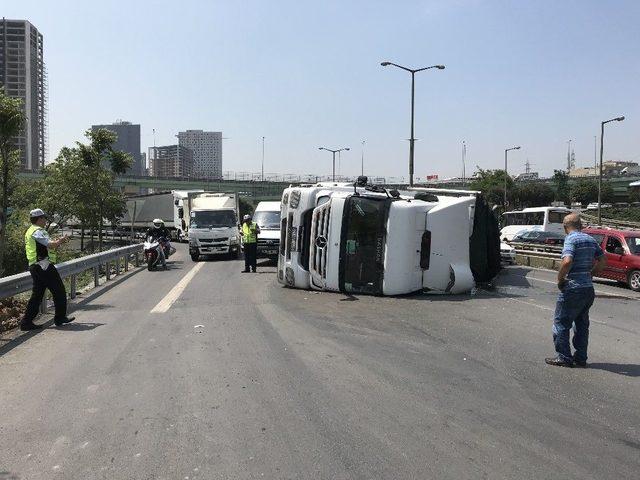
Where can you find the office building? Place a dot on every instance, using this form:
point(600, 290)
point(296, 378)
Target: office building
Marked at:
point(23, 75)
point(128, 141)
point(170, 161)
point(207, 152)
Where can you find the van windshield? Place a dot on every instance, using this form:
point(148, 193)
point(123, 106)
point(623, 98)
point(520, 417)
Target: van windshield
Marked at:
point(363, 244)
point(213, 219)
point(267, 220)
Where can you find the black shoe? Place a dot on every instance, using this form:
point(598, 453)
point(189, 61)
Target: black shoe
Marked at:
point(64, 320)
point(253, 271)
point(558, 362)
point(580, 364)
point(25, 327)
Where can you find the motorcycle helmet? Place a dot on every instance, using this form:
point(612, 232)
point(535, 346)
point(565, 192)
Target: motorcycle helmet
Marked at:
point(158, 223)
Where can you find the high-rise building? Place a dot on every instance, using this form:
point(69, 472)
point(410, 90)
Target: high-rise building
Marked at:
point(170, 161)
point(128, 141)
point(207, 152)
point(23, 75)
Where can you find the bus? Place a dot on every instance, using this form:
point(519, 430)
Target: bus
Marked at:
point(546, 219)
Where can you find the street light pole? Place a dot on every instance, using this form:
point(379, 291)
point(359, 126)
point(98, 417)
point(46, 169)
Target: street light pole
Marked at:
point(362, 160)
point(263, 159)
point(507, 150)
point(617, 119)
point(413, 82)
point(334, 158)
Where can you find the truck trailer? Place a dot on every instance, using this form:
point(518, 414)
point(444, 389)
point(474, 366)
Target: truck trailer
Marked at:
point(358, 238)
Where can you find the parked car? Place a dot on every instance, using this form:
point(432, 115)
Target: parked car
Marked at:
point(507, 253)
point(622, 248)
point(536, 236)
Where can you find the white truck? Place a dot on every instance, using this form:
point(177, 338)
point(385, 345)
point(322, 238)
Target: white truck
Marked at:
point(355, 238)
point(180, 220)
point(213, 224)
point(267, 216)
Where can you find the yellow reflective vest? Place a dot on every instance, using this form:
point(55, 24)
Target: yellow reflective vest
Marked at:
point(249, 232)
point(31, 246)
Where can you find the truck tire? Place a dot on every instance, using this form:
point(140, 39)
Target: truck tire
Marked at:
point(195, 257)
point(634, 280)
point(235, 255)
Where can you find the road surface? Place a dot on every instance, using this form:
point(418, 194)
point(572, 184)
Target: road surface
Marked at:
point(208, 373)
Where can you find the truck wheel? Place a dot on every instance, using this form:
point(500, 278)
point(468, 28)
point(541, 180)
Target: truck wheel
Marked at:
point(235, 255)
point(634, 280)
point(195, 257)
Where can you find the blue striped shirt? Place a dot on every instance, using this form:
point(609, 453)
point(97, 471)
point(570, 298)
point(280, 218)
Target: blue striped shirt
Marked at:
point(583, 249)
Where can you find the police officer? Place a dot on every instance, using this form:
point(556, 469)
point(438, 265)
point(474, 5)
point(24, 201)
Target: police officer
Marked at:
point(40, 250)
point(249, 232)
point(158, 230)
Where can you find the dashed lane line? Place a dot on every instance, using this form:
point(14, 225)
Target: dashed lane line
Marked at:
point(165, 304)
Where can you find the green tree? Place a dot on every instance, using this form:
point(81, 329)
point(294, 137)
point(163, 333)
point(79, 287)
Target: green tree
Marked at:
point(560, 182)
point(584, 191)
point(12, 121)
point(533, 194)
point(491, 184)
point(97, 189)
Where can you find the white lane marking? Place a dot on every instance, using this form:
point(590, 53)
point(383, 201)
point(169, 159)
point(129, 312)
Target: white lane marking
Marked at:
point(532, 304)
point(165, 304)
point(598, 291)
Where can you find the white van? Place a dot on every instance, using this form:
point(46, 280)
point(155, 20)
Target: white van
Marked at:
point(544, 219)
point(267, 216)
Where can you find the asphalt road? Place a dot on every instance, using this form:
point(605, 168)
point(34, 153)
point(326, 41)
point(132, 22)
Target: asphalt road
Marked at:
point(235, 377)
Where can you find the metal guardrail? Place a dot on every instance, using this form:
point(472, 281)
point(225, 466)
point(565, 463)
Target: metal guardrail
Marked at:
point(21, 282)
point(592, 220)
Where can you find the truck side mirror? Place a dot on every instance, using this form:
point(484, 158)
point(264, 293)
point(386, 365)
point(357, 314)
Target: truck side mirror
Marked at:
point(180, 212)
point(184, 224)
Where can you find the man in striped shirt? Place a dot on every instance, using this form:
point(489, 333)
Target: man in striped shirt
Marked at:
point(582, 258)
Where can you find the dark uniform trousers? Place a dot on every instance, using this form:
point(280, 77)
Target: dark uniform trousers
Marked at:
point(250, 256)
point(43, 279)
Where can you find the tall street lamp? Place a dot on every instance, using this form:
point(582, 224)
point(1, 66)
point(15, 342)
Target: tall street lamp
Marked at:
point(334, 158)
point(507, 150)
point(617, 119)
point(413, 77)
point(263, 159)
point(362, 160)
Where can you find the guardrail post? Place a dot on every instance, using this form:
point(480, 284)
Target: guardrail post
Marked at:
point(108, 269)
point(74, 286)
point(117, 262)
point(137, 259)
point(126, 263)
point(96, 276)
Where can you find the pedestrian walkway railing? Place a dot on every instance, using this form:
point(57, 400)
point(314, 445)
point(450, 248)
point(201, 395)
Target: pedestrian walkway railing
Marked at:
point(112, 262)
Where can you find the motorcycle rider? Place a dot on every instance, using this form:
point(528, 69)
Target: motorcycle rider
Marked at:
point(161, 233)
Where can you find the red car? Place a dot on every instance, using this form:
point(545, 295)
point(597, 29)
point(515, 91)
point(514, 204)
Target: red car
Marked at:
point(622, 248)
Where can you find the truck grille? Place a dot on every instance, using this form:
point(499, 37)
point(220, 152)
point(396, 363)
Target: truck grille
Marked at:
point(318, 244)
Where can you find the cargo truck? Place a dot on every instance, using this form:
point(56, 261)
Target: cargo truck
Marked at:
point(267, 216)
point(212, 225)
point(358, 238)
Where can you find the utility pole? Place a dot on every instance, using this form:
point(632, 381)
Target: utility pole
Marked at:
point(602, 124)
point(263, 159)
point(569, 156)
point(464, 158)
point(362, 160)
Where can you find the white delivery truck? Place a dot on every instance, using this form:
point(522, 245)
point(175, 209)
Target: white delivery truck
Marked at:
point(267, 216)
point(180, 221)
point(355, 238)
point(213, 224)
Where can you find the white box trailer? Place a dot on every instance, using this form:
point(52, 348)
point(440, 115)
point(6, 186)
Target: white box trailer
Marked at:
point(212, 224)
point(357, 239)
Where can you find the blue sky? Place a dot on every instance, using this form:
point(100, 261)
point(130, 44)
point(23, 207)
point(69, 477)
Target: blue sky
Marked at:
point(307, 73)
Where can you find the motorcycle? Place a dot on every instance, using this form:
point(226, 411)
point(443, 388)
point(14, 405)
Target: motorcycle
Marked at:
point(154, 252)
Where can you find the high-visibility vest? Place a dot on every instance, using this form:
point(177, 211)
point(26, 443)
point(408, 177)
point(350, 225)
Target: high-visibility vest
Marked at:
point(249, 232)
point(31, 246)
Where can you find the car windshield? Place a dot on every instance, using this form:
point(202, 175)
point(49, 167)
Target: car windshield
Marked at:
point(213, 219)
point(634, 245)
point(267, 219)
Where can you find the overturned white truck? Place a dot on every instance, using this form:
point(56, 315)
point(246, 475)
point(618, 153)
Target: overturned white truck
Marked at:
point(355, 238)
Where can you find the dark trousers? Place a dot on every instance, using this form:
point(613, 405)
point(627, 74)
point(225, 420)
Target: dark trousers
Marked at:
point(572, 308)
point(250, 256)
point(43, 279)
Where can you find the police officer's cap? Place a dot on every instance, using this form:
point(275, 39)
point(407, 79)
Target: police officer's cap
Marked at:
point(246, 217)
point(37, 213)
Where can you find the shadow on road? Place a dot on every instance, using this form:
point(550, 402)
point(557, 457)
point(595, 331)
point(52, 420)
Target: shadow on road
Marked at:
point(96, 306)
point(513, 277)
point(626, 369)
point(79, 327)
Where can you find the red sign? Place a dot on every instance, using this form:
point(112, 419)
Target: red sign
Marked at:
point(432, 177)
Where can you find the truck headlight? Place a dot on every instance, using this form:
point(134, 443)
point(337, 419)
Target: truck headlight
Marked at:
point(193, 242)
point(233, 240)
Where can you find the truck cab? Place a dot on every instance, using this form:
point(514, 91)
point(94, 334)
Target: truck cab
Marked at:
point(354, 239)
point(213, 224)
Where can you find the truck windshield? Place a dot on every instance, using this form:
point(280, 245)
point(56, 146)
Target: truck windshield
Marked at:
point(267, 219)
point(362, 246)
point(213, 219)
